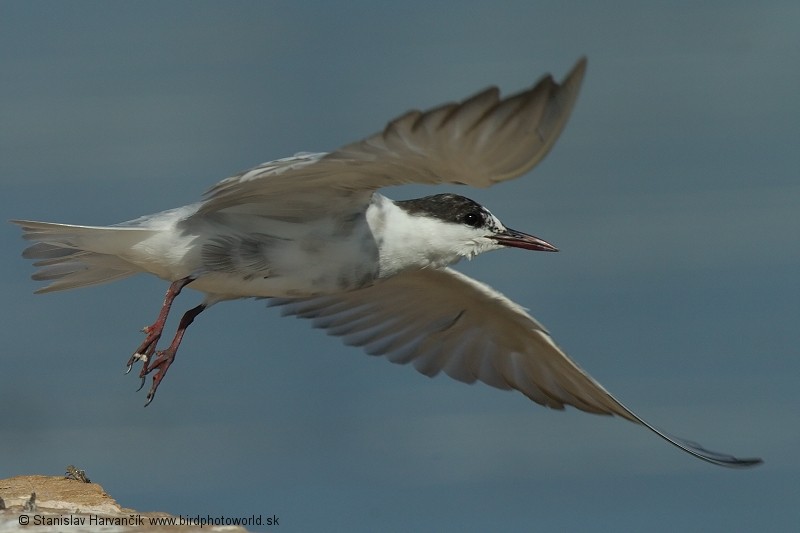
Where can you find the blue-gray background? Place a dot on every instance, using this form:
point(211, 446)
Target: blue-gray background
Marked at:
point(673, 195)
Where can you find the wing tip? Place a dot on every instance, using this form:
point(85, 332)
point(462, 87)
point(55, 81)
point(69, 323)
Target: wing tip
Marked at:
point(580, 66)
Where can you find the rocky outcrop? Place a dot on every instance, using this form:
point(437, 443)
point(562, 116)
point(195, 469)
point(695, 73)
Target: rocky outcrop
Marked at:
point(50, 503)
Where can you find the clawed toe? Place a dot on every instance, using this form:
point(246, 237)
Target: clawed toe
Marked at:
point(134, 358)
point(151, 393)
point(161, 364)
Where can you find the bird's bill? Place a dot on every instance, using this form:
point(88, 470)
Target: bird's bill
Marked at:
point(517, 239)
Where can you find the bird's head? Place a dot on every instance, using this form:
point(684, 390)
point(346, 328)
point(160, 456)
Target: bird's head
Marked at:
point(455, 226)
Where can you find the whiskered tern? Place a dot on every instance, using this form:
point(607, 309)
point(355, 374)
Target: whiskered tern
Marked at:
point(312, 234)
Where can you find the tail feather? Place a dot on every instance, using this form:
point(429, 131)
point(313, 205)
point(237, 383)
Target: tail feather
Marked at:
point(77, 256)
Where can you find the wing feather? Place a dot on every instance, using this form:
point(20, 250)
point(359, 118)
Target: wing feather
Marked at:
point(444, 321)
point(455, 324)
point(479, 142)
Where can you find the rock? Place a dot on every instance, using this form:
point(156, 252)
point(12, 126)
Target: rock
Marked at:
point(41, 502)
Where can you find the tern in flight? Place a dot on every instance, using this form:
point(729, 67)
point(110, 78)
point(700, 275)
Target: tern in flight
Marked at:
point(311, 233)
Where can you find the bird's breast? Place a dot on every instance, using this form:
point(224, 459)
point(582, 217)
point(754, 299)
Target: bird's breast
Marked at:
point(282, 259)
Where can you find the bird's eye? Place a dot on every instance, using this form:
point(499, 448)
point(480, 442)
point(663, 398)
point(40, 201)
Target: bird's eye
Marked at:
point(473, 219)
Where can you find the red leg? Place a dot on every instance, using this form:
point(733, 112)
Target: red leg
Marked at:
point(166, 357)
point(145, 350)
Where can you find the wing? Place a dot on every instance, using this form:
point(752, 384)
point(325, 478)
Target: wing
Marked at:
point(480, 141)
point(444, 321)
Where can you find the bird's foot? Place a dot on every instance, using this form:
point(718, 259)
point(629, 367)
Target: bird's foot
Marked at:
point(146, 350)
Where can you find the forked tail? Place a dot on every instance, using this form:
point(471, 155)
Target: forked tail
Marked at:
point(77, 256)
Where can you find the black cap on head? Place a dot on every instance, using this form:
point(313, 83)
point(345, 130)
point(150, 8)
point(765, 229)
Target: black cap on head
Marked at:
point(448, 207)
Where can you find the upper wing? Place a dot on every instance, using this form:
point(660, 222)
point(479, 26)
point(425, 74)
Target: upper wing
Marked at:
point(478, 142)
point(441, 320)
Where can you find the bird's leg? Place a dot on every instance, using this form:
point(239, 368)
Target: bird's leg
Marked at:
point(166, 357)
point(145, 350)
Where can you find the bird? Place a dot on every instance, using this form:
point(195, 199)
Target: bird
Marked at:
point(312, 235)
